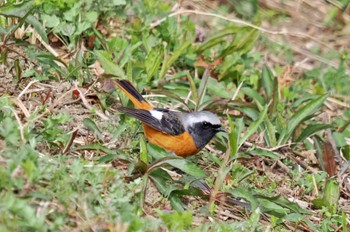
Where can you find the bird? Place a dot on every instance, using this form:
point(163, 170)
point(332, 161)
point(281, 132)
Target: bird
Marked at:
point(184, 133)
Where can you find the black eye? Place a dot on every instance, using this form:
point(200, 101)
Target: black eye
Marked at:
point(205, 124)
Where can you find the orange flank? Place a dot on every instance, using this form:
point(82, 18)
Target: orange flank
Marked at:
point(182, 145)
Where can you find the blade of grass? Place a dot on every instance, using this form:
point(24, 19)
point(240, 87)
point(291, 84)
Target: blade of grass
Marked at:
point(217, 38)
point(234, 136)
point(253, 127)
point(270, 132)
point(169, 61)
point(307, 110)
point(193, 87)
point(267, 81)
point(38, 27)
point(143, 151)
point(202, 88)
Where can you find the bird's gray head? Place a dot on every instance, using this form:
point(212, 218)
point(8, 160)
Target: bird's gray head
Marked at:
point(202, 126)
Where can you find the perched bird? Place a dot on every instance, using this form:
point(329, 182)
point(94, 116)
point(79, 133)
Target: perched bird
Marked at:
point(185, 134)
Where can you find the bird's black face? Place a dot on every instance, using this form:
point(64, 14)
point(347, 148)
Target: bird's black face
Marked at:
point(203, 132)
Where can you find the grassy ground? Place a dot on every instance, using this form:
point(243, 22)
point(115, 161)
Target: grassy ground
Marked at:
point(277, 73)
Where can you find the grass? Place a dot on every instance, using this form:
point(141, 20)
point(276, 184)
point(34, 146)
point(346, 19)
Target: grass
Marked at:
point(70, 161)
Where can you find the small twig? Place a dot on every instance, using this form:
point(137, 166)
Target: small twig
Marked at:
point(20, 104)
point(315, 185)
point(267, 149)
point(312, 56)
point(51, 50)
point(284, 167)
point(337, 102)
point(299, 162)
point(237, 21)
point(235, 94)
point(26, 88)
point(237, 91)
point(47, 85)
point(89, 107)
point(60, 99)
point(69, 144)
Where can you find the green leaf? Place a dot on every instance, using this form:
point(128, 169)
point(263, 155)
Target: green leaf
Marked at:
point(254, 220)
point(253, 94)
point(312, 129)
point(121, 128)
point(107, 158)
point(176, 54)
point(180, 163)
point(270, 132)
point(91, 125)
point(306, 111)
point(97, 147)
point(193, 87)
point(218, 89)
point(162, 181)
point(233, 138)
point(187, 167)
point(202, 89)
point(30, 169)
point(38, 27)
point(331, 195)
point(156, 152)
point(50, 21)
point(91, 16)
point(241, 192)
point(253, 127)
point(152, 62)
point(119, 2)
point(278, 205)
point(344, 221)
point(73, 12)
point(272, 208)
point(108, 65)
point(143, 151)
point(265, 153)
point(177, 221)
point(52, 61)
point(218, 38)
point(127, 53)
point(176, 203)
point(19, 10)
point(340, 139)
point(237, 136)
point(267, 81)
point(243, 41)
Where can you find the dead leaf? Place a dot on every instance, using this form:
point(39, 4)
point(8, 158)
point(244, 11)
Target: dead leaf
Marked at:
point(328, 159)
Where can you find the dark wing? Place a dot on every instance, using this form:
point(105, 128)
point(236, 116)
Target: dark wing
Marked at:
point(170, 123)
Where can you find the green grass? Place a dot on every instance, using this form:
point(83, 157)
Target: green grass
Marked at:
point(70, 161)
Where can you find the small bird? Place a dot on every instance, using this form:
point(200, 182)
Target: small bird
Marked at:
point(185, 134)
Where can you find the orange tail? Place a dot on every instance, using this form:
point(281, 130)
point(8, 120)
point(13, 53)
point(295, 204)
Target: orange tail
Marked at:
point(133, 94)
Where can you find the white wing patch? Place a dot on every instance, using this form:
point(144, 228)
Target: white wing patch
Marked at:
point(156, 114)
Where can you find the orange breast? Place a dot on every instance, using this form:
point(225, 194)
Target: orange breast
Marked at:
point(182, 145)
